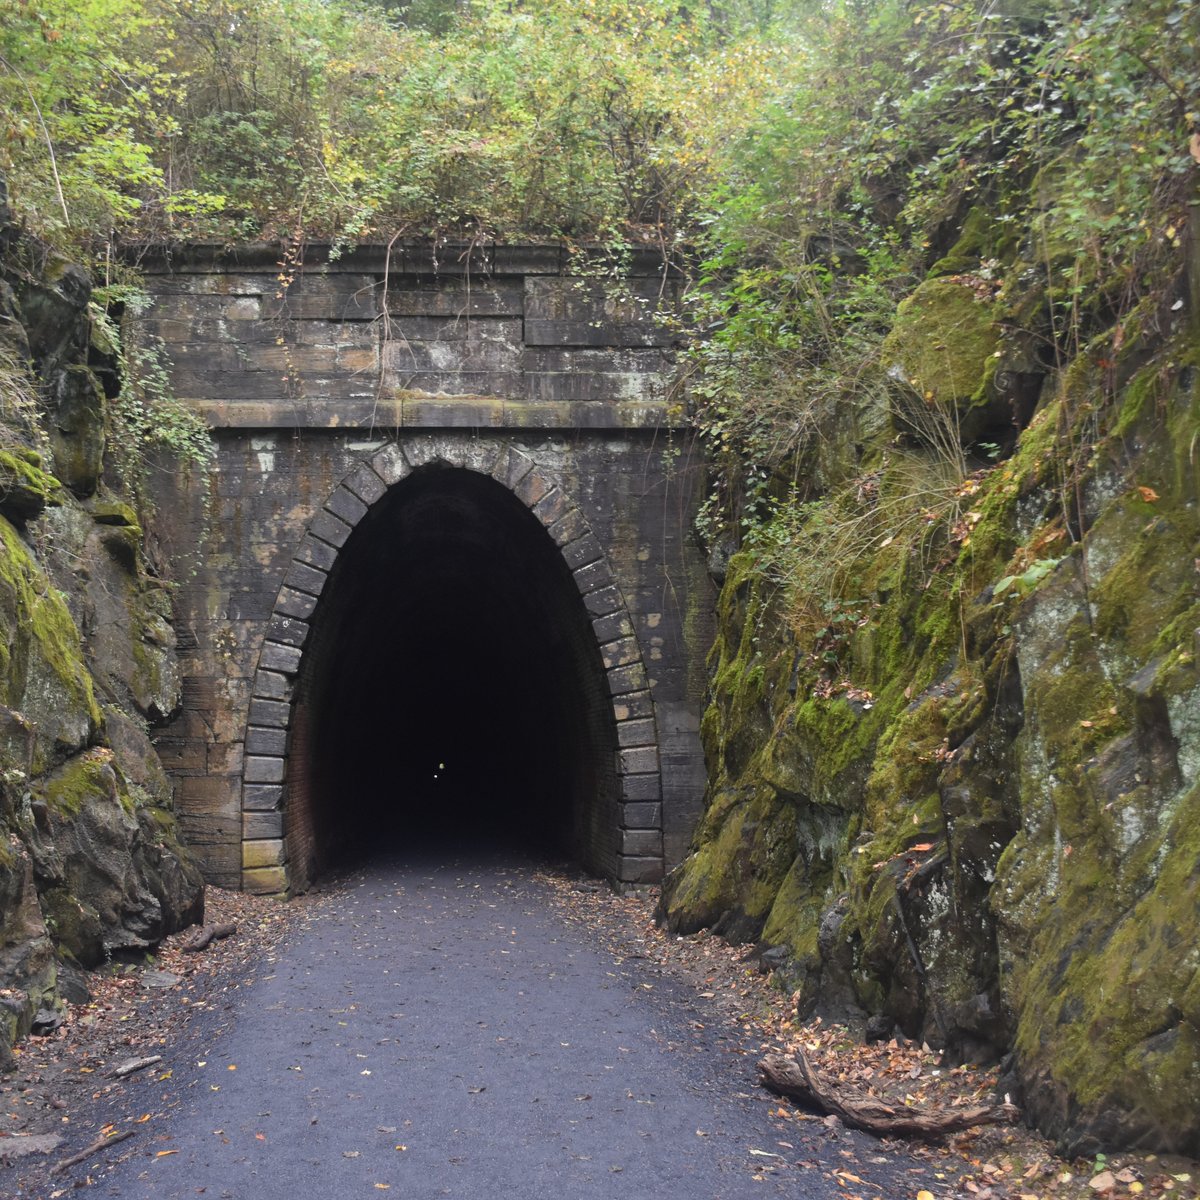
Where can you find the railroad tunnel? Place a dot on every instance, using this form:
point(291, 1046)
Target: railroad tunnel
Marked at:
point(451, 695)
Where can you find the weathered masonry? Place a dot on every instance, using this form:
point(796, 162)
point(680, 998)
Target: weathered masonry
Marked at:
point(440, 578)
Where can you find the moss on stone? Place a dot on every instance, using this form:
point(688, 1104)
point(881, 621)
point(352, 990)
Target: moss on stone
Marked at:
point(25, 488)
point(977, 240)
point(743, 853)
point(41, 659)
point(86, 775)
point(113, 512)
point(942, 349)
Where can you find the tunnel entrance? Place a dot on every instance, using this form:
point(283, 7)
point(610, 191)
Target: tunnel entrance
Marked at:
point(452, 692)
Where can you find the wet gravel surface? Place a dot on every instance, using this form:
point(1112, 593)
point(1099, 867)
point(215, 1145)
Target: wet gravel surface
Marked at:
point(441, 1030)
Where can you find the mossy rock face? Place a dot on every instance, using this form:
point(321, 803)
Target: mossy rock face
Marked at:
point(1009, 775)
point(77, 435)
point(107, 863)
point(90, 860)
point(746, 850)
point(53, 312)
point(43, 676)
point(25, 489)
point(76, 927)
point(1097, 896)
point(941, 355)
point(27, 966)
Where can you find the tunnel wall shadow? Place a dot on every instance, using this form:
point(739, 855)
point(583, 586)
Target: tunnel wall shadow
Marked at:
point(469, 675)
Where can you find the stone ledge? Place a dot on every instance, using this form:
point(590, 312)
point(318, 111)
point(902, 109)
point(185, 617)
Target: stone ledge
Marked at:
point(400, 259)
point(420, 411)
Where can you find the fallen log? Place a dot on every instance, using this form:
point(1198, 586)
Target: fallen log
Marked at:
point(210, 933)
point(135, 1064)
point(94, 1148)
point(795, 1078)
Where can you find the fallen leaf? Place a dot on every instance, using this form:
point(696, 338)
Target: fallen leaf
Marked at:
point(1104, 1182)
point(164, 1153)
point(1148, 494)
point(924, 1195)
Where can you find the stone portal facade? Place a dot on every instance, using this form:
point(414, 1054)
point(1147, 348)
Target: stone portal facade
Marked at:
point(328, 383)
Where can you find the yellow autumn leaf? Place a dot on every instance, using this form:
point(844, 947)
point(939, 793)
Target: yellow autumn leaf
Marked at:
point(924, 1195)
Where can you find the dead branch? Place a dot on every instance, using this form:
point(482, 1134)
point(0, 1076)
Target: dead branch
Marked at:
point(210, 933)
point(135, 1064)
point(795, 1078)
point(96, 1146)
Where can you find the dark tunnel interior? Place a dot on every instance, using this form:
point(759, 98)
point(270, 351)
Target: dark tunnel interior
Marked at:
point(452, 694)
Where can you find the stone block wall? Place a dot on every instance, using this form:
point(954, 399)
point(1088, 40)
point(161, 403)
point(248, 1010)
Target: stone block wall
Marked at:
point(316, 394)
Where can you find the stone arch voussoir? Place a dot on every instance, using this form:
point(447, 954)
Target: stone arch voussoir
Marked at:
point(640, 838)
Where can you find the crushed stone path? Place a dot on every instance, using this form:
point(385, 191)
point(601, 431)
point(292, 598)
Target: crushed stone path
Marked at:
point(439, 1030)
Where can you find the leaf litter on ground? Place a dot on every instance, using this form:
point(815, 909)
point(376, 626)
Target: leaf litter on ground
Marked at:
point(988, 1163)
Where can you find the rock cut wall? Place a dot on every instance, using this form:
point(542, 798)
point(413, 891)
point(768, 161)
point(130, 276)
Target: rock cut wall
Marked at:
point(90, 864)
point(955, 784)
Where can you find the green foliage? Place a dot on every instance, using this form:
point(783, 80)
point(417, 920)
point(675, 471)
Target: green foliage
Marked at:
point(146, 416)
point(1044, 144)
point(1027, 580)
point(338, 119)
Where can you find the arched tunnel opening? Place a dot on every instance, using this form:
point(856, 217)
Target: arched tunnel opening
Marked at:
point(452, 695)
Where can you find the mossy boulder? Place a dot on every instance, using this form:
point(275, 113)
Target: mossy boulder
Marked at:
point(25, 489)
point(940, 356)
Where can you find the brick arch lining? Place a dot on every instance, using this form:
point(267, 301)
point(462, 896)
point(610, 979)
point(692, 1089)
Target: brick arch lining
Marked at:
point(638, 836)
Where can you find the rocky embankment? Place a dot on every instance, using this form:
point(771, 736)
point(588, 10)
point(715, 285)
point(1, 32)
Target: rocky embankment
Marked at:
point(90, 865)
point(954, 750)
